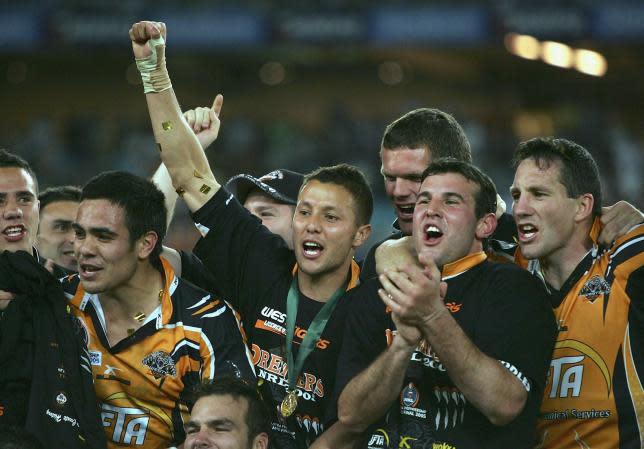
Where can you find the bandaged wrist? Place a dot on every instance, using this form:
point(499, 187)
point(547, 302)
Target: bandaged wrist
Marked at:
point(153, 69)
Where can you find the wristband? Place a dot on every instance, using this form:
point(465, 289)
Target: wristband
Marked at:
point(154, 73)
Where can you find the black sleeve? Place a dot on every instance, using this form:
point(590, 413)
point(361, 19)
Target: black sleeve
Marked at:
point(517, 325)
point(194, 271)
point(244, 257)
point(506, 229)
point(365, 336)
point(225, 352)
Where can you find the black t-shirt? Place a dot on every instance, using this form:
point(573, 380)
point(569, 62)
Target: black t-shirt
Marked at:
point(253, 269)
point(504, 311)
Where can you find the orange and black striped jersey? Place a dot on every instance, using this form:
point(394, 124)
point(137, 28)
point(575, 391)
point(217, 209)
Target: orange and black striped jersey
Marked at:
point(142, 382)
point(594, 396)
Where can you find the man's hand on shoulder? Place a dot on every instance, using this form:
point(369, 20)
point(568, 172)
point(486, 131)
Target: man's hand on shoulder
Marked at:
point(392, 255)
point(617, 220)
point(5, 299)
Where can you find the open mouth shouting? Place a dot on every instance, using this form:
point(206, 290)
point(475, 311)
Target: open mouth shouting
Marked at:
point(88, 272)
point(527, 232)
point(311, 249)
point(433, 235)
point(14, 233)
point(405, 211)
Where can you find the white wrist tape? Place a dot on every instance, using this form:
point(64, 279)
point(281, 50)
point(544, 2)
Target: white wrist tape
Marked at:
point(153, 69)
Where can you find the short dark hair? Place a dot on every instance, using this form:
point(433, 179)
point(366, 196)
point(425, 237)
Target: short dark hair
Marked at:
point(579, 173)
point(257, 416)
point(59, 193)
point(437, 130)
point(142, 201)
point(10, 160)
point(485, 198)
point(12, 437)
point(352, 179)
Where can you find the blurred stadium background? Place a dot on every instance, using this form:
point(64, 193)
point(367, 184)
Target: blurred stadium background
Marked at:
point(314, 83)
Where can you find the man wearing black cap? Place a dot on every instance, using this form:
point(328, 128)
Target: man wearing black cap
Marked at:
point(271, 198)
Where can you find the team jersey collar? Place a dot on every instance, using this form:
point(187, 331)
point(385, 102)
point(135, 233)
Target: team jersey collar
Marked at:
point(162, 313)
point(355, 274)
point(460, 266)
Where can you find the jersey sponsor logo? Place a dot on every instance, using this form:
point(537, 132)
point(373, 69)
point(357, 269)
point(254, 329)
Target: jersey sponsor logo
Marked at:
point(442, 446)
point(298, 334)
point(274, 315)
point(61, 399)
point(573, 413)
point(409, 396)
point(567, 372)
point(378, 440)
point(273, 368)
point(160, 364)
point(567, 376)
point(127, 425)
point(95, 358)
point(453, 307)
point(519, 375)
point(594, 288)
point(110, 374)
point(406, 442)
point(425, 355)
point(62, 418)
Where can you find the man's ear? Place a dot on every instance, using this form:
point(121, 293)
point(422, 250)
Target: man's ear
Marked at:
point(260, 441)
point(146, 243)
point(361, 235)
point(485, 226)
point(585, 203)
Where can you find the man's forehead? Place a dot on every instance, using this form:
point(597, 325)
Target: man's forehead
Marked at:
point(405, 159)
point(14, 179)
point(327, 194)
point(536, 169)
point(220, 406)
point(102, 210)
point(60, 207)
point(448, 181)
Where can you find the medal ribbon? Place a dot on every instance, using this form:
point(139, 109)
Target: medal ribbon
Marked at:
point(312, 334)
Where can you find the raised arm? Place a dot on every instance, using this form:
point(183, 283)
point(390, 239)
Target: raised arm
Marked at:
point(413, 296)
point(180, 149)
point(204, 121)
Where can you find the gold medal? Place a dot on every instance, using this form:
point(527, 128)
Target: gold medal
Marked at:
point(289, 404)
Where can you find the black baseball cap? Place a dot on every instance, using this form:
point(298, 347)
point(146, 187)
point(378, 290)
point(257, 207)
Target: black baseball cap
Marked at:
point(283, 185)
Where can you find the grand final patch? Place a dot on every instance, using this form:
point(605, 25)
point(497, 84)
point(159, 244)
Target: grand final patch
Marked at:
point(595, 287)
point(160, 364)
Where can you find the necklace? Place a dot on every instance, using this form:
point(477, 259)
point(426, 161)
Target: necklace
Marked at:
point(141, 316)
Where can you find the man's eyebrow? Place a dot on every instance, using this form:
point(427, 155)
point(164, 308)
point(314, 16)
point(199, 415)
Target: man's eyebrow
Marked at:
point(104, 231)
point(219, 422)
point(453, 194)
